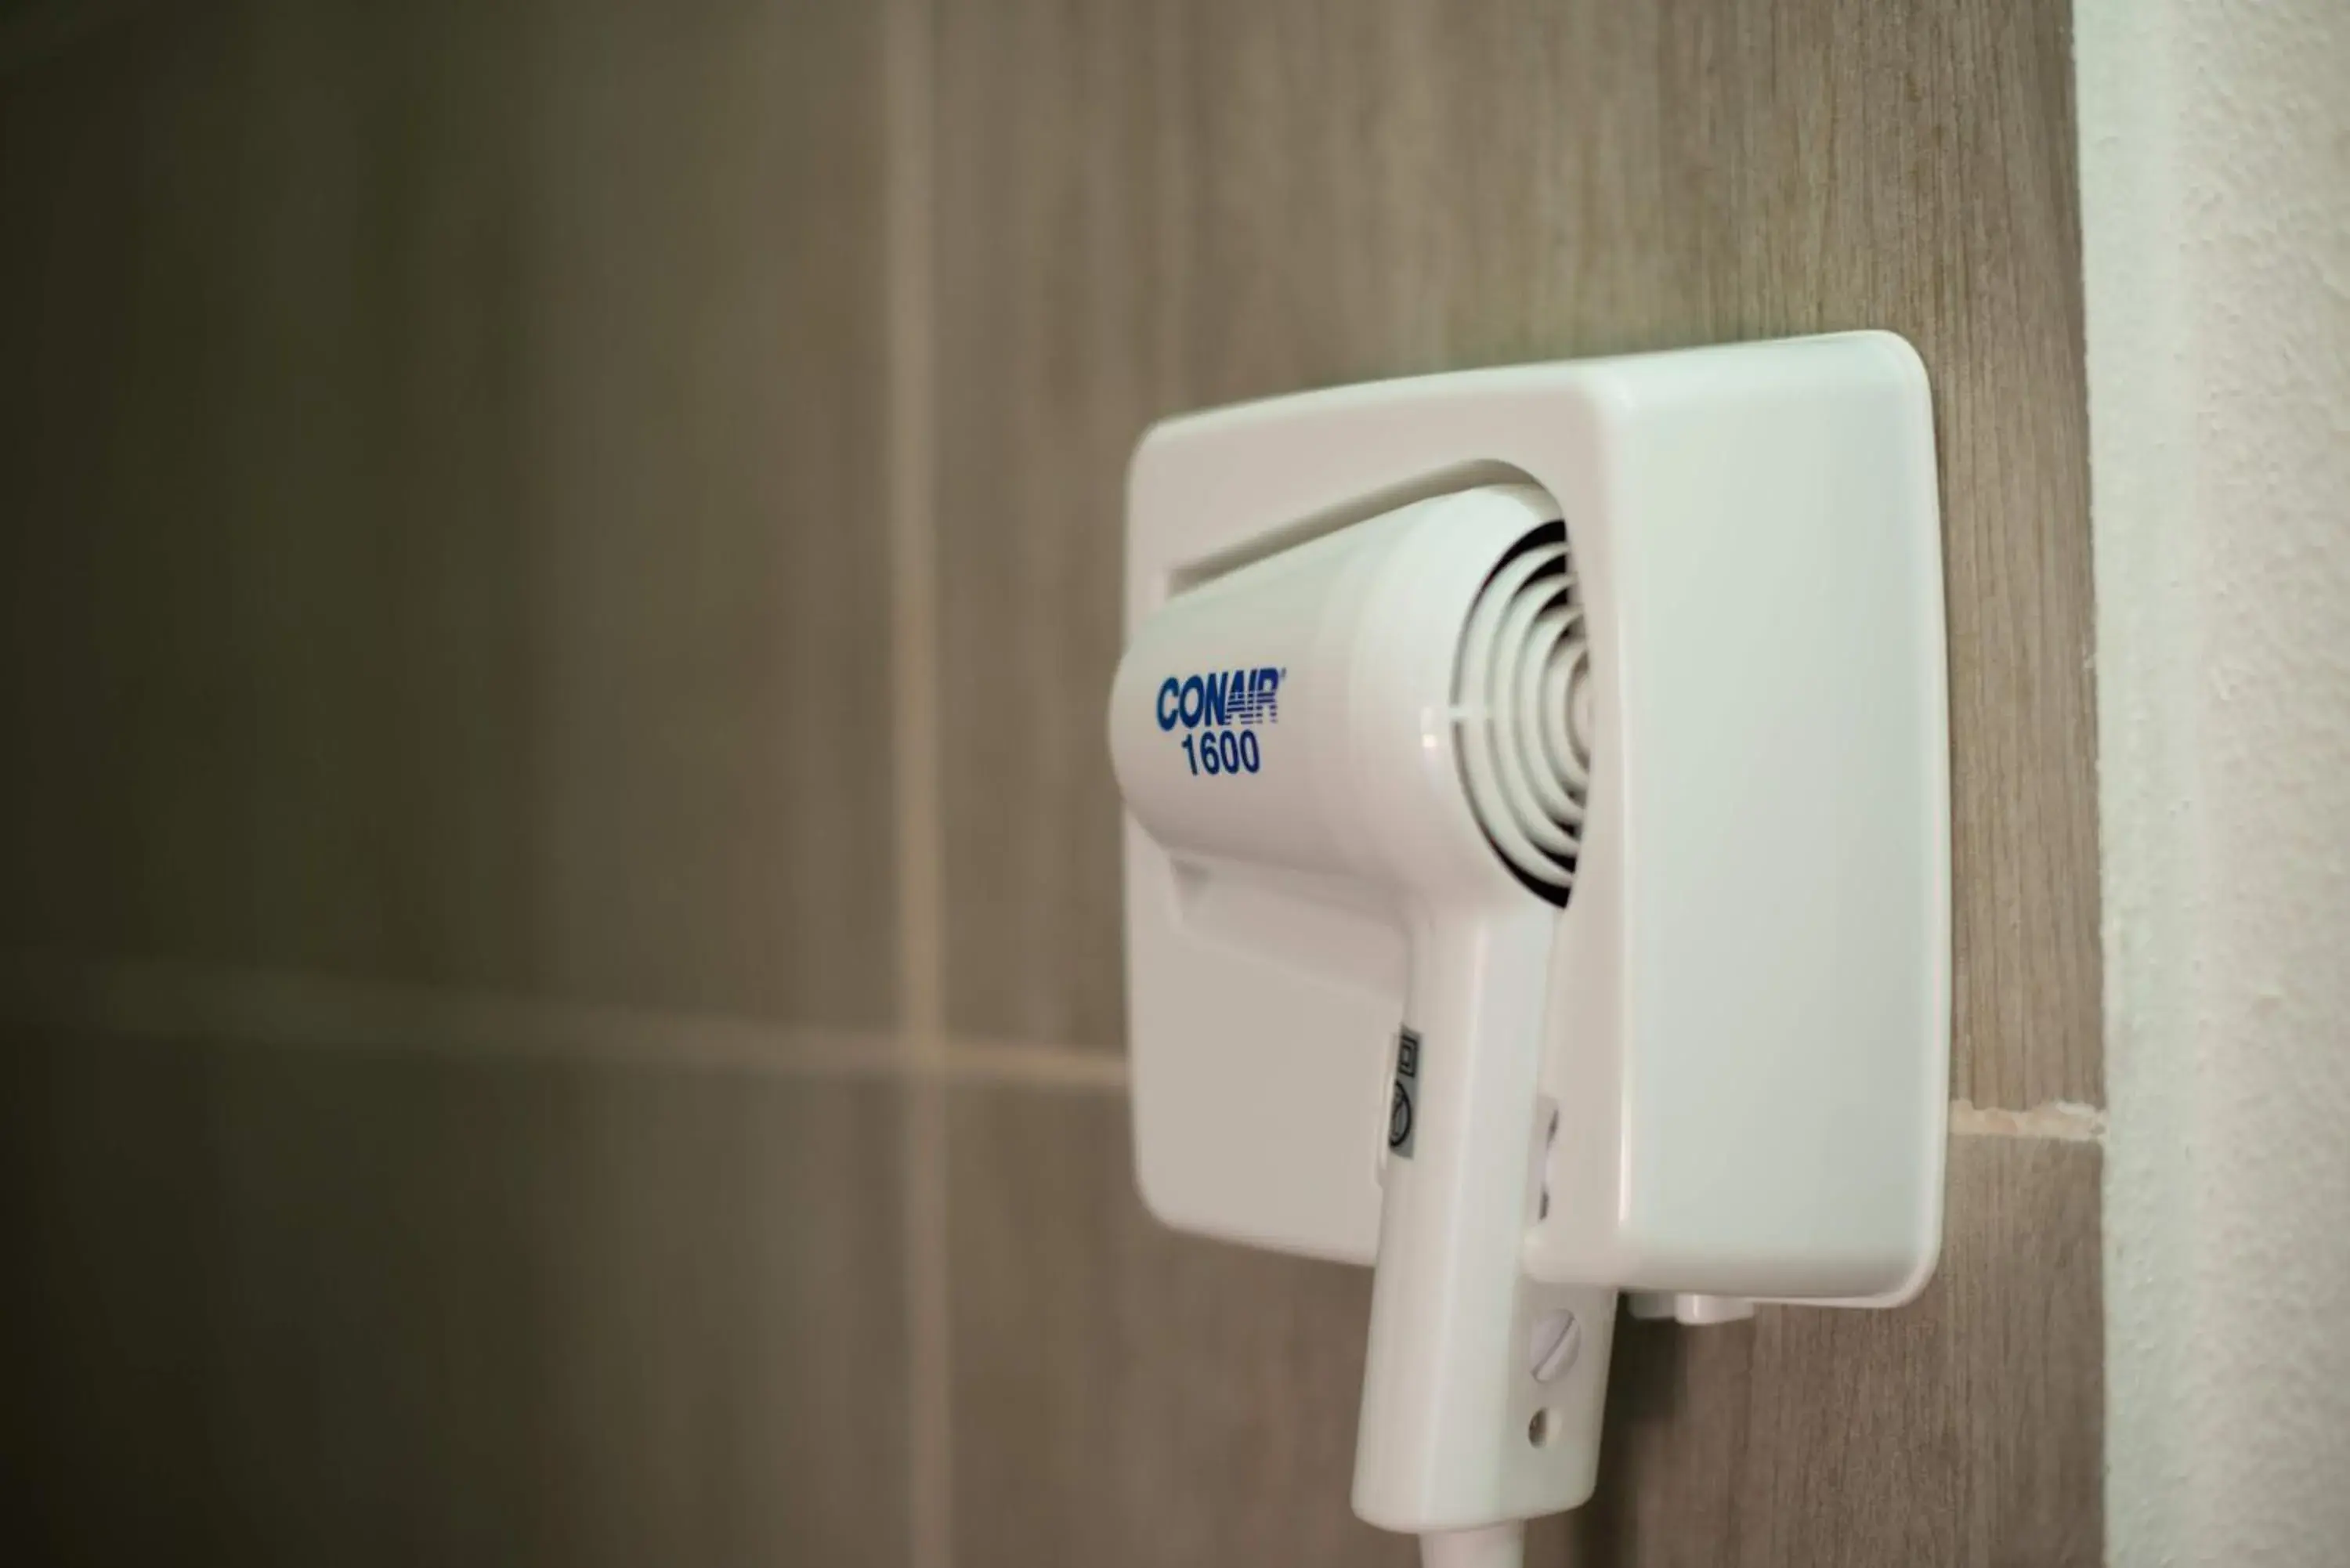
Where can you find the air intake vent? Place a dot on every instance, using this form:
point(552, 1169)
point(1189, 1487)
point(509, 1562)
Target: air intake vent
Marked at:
point(1523, 712)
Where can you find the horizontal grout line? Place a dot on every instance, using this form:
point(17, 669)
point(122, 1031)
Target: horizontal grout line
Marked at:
point(2059, 1121)
point(163, 999)
point(292, 1009)
point(1040, 1066)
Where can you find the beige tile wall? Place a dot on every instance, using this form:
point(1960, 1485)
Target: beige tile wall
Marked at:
point(308, 1305)
point(443, 442)
point(559, 570)
point(447, 660)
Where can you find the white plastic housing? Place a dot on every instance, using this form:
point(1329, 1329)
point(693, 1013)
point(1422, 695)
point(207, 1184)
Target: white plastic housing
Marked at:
point(1743, 1028)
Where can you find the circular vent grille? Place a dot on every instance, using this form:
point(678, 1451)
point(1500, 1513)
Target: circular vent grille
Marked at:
point(1522, 703)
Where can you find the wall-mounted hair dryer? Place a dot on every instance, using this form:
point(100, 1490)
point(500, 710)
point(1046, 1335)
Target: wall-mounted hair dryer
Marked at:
point(1537, 869)
point(1419, 666)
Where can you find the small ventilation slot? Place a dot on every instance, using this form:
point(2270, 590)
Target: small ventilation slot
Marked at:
point(1521, 701)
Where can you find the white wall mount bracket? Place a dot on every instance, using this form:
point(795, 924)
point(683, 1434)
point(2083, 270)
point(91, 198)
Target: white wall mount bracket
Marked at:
point(1743, 1077)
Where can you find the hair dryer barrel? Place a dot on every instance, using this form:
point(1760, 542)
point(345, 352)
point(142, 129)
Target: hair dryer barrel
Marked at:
point(1229, 718)
point(1297, 712)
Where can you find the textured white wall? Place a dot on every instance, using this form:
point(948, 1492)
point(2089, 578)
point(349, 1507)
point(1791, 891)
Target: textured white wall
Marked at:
point(2215, 177)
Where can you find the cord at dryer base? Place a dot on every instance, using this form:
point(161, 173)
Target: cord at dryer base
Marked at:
point(1500, 1545)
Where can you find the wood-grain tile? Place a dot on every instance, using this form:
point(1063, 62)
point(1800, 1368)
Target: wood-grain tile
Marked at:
point(317, 1305)
point(443, 535)
point(1126, 1395)
point(1145, 208)
point(1965, 1427)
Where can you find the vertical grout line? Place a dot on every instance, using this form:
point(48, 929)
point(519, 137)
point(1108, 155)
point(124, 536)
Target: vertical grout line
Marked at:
point(907, 133)
point(930, 1469)
point(913, 593)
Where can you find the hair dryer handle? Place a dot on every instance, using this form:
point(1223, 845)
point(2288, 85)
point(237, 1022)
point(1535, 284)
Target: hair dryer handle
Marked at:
point(1456, 1428)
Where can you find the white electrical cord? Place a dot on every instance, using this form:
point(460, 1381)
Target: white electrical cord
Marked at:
point(1492, 1546)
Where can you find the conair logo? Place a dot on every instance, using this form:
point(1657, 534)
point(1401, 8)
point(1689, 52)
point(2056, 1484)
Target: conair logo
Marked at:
point(1227, 697)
